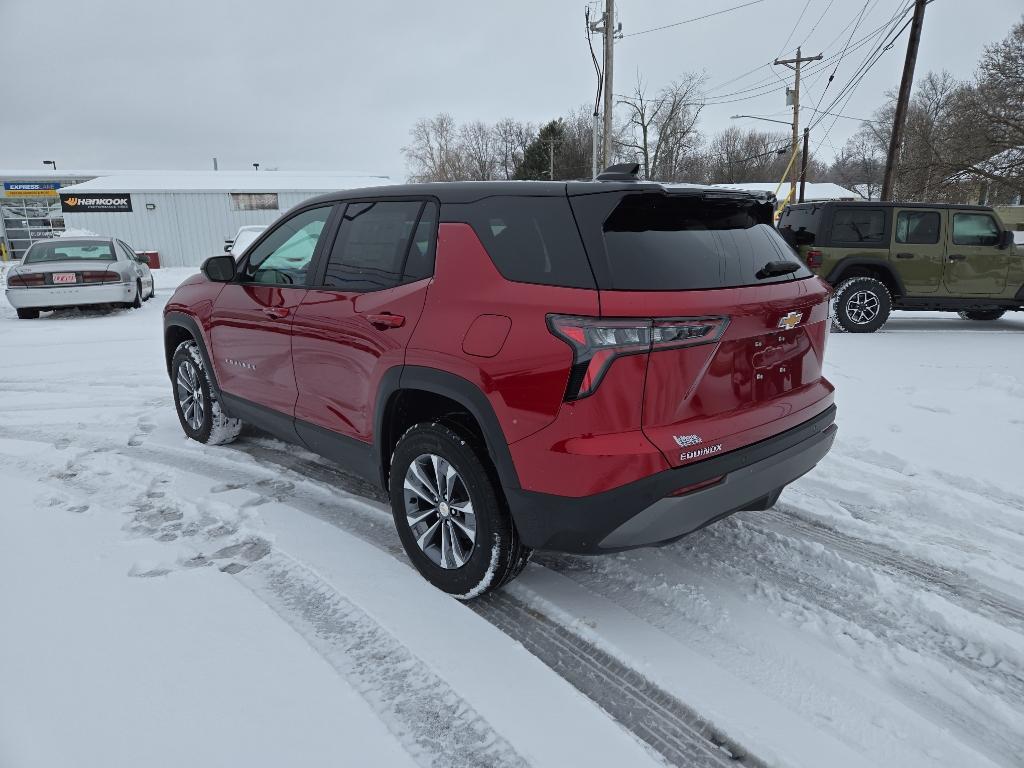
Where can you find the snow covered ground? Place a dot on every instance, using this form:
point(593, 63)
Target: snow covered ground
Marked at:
point(164, 603)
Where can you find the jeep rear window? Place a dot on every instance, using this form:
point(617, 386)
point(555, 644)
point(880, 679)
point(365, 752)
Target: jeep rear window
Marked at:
point(799, 225)
point(529, 239)
point(664, 242)
point(858, 225)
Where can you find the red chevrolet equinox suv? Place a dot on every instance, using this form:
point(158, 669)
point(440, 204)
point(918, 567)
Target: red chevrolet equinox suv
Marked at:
point(583, 367)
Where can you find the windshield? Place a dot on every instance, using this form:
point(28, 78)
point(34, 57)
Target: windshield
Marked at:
point(660, 242)
point(56, 251)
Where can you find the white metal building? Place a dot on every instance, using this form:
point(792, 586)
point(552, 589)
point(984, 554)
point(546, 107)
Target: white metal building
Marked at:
point(187, 215)
point(813, 192)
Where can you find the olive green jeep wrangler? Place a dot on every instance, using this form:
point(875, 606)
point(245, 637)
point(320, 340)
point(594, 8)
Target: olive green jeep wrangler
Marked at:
point(915, 256)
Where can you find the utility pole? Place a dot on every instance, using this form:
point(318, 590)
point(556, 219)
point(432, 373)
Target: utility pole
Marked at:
point(611, 29)
point(803, 165)
point(551, 150)
point(900, 119)
point(794, 64)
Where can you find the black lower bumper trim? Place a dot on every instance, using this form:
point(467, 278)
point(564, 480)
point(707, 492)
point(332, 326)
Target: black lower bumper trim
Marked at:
point(639, 514)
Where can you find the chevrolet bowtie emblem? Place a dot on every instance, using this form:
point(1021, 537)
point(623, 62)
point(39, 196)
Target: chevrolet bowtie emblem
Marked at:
point(790, 321)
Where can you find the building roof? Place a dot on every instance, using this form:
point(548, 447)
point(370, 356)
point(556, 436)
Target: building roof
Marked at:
point(813, 191)
point(227, 181)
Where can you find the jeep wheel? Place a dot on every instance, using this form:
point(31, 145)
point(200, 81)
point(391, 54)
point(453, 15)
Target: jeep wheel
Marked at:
point(198, 410)
point(450, 513)
point(982, 314)
point(861, 305)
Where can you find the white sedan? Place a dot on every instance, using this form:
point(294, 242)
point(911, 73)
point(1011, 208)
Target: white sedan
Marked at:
point(77, 272)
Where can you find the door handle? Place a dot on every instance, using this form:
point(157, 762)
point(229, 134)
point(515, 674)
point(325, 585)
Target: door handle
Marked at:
point(904, 255)
point(386, 320)
point(957, 257)
point(276, 313)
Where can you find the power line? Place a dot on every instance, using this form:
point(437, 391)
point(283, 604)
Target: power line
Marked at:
point(808, 35)
point(793, 30)
point(695, 18)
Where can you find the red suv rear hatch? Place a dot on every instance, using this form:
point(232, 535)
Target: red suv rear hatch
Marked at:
point(711, 260)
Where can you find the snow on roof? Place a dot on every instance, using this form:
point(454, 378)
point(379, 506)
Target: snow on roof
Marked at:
point(228, 181)
point(814, 191)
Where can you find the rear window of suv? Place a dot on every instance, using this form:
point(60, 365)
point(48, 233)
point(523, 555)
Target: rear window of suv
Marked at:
point(655, 242)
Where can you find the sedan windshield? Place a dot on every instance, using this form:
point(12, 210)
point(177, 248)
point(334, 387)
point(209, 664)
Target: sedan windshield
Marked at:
point(57, 251)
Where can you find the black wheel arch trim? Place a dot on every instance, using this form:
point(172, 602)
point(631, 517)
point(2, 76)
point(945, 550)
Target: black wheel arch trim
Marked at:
point(462, 391)
point(189, 323)
point(836, 275)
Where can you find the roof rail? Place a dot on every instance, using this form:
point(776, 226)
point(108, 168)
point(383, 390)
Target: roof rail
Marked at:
point(620, 172)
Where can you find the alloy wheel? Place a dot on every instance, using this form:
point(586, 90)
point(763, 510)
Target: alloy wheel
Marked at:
point(190, 395)
point(439, 511)
point(862, 307)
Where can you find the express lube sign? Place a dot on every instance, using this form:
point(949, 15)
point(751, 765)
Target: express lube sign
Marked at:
point(113, 202)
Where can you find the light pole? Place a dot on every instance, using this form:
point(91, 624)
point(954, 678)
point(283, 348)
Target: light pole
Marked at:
point(256, 166)
point(51, 162)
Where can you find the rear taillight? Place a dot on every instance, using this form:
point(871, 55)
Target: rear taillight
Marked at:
point(27, 281)
point(813, 259)
point(100, 277)
point(596, 342)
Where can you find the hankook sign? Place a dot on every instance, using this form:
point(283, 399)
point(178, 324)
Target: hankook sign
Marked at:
point(96, 203)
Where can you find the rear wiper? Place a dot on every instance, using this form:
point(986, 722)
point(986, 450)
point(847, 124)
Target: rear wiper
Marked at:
point(776, 268)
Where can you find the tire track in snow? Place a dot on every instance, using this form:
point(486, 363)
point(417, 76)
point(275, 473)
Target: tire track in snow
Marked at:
point(656, 717)
point(650, 713)
point(435, 725)
point(953, 585)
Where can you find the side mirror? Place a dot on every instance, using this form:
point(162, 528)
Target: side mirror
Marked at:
point(219, 269)
point(142, 258)
point(1005, 238)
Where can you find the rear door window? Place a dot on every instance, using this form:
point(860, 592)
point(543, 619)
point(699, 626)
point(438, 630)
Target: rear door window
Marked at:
point(529, 239)
point(373, 241)
point(666, 242)
point(917, 227)
point(858, 225)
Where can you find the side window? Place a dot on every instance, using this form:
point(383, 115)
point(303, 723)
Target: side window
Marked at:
point(529, 239)
point(858, 225)
point(284, 257)
point(917, 227)
point(975, 229)
point(126, 252)
point(420, 263)
point(369, 253)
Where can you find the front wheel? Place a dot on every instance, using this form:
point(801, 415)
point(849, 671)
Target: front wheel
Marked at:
point(982, 314)
point(450, 513)
point(861, 305)
point(198, 409)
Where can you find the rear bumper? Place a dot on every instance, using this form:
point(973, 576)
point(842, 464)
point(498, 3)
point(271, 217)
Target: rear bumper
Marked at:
point(70, 296)
point(642, 513)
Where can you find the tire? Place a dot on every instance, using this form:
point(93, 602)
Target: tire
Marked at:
point(861, 305)
point(199, 413)
point(28, 314)
point(489, 552)
point(982, 314)
point(138, 295)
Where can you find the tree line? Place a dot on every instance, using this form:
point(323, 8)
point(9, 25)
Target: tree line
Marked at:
point(963, 142)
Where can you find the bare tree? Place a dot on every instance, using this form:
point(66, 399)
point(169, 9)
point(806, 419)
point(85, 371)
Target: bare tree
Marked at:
point(434, 154)
point(661, 130)
point(734, 156)
point(513, 137)
point(479, 149)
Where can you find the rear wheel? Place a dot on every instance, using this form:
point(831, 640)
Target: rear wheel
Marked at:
point(450, 513)
point(198, 410)
point(982, 314)
point(28, 314)
point(861, 305)
point(138, 295)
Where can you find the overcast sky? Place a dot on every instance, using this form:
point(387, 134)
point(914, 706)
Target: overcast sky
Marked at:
point(336, 85)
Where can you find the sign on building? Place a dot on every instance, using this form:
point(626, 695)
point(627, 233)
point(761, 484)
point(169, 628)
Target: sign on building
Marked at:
point(30, 188)
point(96, 203)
